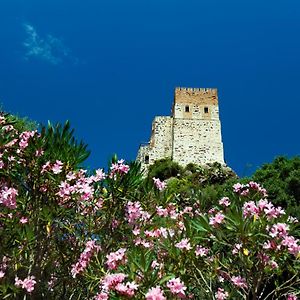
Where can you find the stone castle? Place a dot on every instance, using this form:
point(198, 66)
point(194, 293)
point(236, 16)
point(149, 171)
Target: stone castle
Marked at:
point(191, 135)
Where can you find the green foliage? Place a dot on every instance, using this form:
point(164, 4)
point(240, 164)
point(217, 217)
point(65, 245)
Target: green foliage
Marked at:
point(59, 143)
point(282, 180)
point(164, 169)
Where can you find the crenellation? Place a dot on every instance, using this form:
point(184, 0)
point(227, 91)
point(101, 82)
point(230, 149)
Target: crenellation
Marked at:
point(191, 134)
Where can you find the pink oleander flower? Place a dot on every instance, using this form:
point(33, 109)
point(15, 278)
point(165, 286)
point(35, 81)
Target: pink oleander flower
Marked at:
point(237, 188)
point(155, 294)
point(90, 249)
point(184, 244)
point(221, 294)
point(23, 220)
point(8, 196)
point(176, 287)
point(239, 281)
point(236, 248)
point(273, 264)
point(279, 230)
point(118, 168)
point(57, 167)
point(225, 201)
point(100, 175)
point(111, 280)
point(201, 251)
point(24, 138)
point(134, 212)
point(114, 259)
point(217, 219)
point(27, 284)
point(2, 274)
point(292, 245)
point(160, 185)
point(101, 296)
point(162, 212)
point(128, 289)
point(292, 297)
point(250, 209)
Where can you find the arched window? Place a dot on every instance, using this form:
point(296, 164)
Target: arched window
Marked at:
point(206, 110)
point(146, 159)
point(187, 108)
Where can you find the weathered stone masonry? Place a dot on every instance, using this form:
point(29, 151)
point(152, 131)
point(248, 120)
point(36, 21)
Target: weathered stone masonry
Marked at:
point(191, 135)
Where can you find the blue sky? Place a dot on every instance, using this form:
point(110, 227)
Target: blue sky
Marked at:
point(110, 66)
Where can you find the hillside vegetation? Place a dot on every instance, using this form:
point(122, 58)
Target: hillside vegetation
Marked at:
point(179, 233)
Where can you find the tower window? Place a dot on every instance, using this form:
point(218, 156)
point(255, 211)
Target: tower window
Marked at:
point(206, 110)
point(146, 159)
point(187, 108)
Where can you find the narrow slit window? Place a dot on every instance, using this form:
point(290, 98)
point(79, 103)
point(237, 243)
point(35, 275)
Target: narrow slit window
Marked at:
point(206, 110)
point(146, 159)
point(187, 108)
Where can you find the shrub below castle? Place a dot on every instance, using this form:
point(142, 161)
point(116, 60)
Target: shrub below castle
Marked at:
point(70, 234)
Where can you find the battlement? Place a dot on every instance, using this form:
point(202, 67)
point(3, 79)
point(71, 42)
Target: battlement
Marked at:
point(196, 95)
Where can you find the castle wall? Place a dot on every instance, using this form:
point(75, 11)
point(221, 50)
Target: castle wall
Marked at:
point(197, 141)
point(160, 145)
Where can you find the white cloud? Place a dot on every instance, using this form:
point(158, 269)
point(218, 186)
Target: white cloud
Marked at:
point(50, 48)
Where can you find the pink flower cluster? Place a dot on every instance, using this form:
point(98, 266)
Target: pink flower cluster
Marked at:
point(244, 189)
point(155, 293)
point(27, 284)
point(56, 168)
point(115, 282)
point(184, 244)
point(24, 138)
point(221, 294)
point(134, 212)
point(225, 201)
point(78, 184)
point(279, 231)
point(240, 282)
point(114, 259)
point(169, 211)
point(176, 287)
point(90, 249)
point(263, 208)
point(201, 251)
point(217, 219)
point(118, 168)
point(160, 185)
point(8, 196)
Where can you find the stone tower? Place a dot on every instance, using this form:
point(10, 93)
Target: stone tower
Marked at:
point(191, 135)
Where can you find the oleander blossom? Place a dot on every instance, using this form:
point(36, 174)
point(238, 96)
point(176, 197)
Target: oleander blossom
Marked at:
point(101, 296)
point(8, 196)
point(85, 257)
point(225, 201)
point(201, 251)
point(24, 138)
point(127, 289)
point(160, 185)
point(291, 297)
point(221, 294)
point(114, 259)
point(238, 281)
point(176, 287)
point(134, 212)
point(118, 168)
point(217, 219)
point(184, 244)
point(155, 293)
point(110, 281)
point(27, 284)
